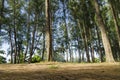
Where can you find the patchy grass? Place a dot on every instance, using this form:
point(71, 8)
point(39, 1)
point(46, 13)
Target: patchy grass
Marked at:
point(60, 71)
point(54, 67)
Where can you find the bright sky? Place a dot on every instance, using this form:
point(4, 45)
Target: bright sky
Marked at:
point(4, 47)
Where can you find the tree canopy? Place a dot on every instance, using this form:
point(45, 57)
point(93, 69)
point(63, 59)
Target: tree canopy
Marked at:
point(60, 30)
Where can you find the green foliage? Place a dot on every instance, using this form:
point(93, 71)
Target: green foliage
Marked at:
point(2, 60)
point(97, 60)
point(73, 24)
point(2, 52)
point(58, 57)
point(36, 58)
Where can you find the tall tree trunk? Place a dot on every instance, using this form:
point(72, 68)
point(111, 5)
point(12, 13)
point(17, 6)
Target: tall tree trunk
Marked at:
point(19, 50)
point(15, 34)
point(11, 45)
point(86, 43)
point(92, 53)
point(101, 25)
point(79, 52)
point(43, 51)
point(28, 32)
point(91, 46)
point(27, 46)
point(15, 39)
point(33, 43)
point(67, 56)
point(26, 51)
point(99, 46)
point(82, 36)
point(66, 32)
point(34, 33)
point(115, 23)
point(48, 31)
point(1, 13)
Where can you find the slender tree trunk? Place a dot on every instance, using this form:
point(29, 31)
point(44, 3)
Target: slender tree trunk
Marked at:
point(67, 56)
point(1, 13)
point(34, 33)
point(26, 51)
point(106, 43)
point(15, 39)
point(32, 45)
point(99, 46)
point(11, 45)
point(70, 53)
point(28, 32)
point(43, 52)
point(48, 31)
point(83, 58)
point(92, 53)
point(91, 45)
point(15, 34)
point(19, 54)
point(27, 46)
point(86, 43)
point(79, 52)
point(66, 32)
point(82, 36)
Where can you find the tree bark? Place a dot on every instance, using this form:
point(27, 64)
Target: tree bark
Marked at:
point(48, 31)
point(11, 45)
point(92, 53)
point(99, 46)
point(43, 51)
point(66, 32)
point(33, 43)
point(86, 43)
point(15, 34)
point(79, 51)
point(28, 32)
point(115, 23)
point(82, 36)
point(101, 25)
point(1, 13)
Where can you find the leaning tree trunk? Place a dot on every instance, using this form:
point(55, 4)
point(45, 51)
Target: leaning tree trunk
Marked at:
point(101, 25)
point(115, 22)
point(48, 31)
point(99, 46)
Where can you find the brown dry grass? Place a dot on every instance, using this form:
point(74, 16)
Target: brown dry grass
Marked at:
point(60, 71)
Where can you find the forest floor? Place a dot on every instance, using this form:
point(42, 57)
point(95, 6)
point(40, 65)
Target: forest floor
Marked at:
point(60, 71)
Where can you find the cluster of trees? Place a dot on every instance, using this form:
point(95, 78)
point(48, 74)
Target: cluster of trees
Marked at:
point(61, 30)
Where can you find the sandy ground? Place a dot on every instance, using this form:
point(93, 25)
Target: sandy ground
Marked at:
point(60, 71)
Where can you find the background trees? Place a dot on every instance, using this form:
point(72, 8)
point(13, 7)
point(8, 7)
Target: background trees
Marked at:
point(72, 30)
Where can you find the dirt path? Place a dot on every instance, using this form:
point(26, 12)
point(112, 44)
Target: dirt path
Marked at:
point(60, 71)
